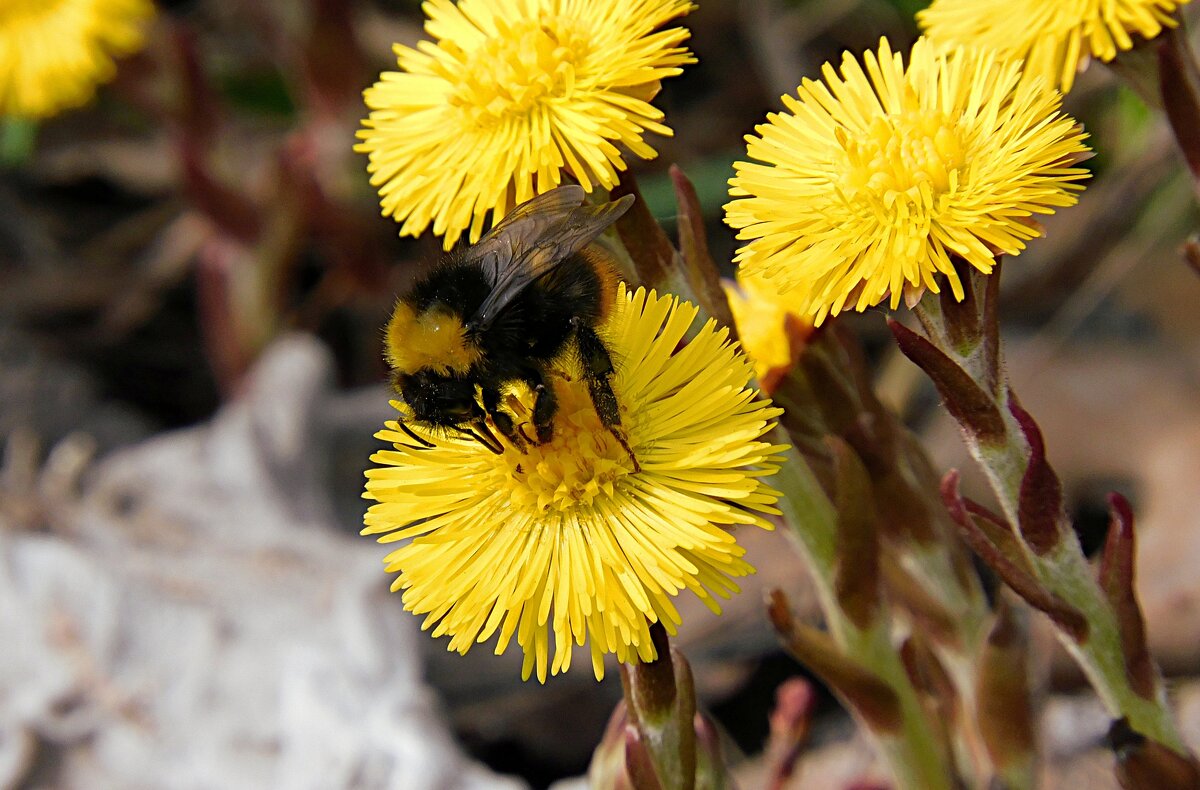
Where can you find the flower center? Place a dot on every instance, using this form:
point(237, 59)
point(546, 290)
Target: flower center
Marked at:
point(581, 462)
point(526, 63)
point(908, 156)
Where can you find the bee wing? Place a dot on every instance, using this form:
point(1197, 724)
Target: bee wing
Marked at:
point(533, 239)
point(520, 227)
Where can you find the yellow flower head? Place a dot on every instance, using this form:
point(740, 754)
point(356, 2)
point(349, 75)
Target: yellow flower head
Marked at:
point(568, 537)
point(872, 179)
point(513, 93)
point(53, 53)
point(770, 329)
point(1053, 37)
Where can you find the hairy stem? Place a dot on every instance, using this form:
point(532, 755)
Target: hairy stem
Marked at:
point(1010, 454)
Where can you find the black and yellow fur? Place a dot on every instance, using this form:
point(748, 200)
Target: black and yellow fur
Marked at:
point(503, 311)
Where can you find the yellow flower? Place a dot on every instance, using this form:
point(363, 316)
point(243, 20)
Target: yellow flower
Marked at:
point(567, 537)
point(770, 329)
point(53, 53)
point(873, 179)
point(1053, 37)
point(512, 94)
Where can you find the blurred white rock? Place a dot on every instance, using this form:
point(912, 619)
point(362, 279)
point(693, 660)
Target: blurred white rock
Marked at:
point(194, 617)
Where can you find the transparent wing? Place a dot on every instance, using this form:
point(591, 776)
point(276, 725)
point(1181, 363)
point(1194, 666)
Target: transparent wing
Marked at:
point(528, 221)
point(533, 239)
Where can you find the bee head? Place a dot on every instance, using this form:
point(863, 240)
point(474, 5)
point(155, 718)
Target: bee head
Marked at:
point(429, 339)
point(438, 399)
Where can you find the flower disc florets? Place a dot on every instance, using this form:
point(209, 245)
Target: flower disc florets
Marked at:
point(583, 460)
point(875, 177)
point(571, 537)
point(508, 96)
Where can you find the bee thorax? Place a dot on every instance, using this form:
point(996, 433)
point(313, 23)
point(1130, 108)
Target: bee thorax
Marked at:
point(435, 339)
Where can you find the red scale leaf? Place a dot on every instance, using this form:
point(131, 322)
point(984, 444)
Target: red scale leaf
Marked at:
point(1040, 503)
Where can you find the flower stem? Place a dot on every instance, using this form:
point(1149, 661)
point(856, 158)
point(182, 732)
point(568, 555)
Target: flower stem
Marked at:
point(1066, 572)
point(1179, 87)
point(661, 700)
point(908, 546)
point(911, 750)
point(1004, 440)
point(910, 746)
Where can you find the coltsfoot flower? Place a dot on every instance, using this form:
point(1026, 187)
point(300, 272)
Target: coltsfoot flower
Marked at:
point(770, 329)
point(508, 96)
point(568, 537)
point(872, 179)
point(53, 53)
point(1055, 38)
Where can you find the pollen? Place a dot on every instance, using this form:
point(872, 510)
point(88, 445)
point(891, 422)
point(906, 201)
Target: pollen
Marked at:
point(910, 156)
point(433, 339)
point(582, 461)
point(522, 70)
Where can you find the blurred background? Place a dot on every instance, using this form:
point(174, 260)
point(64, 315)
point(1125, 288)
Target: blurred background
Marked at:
point(193, 276)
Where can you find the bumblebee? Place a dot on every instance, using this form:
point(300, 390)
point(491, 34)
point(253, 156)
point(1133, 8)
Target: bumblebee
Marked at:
point(528, 294)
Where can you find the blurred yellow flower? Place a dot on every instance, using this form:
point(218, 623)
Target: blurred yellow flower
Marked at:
point(770, 329)
point(870, 181)
point(53, 53)
point(568, 537)
point(1053, 37)
point(508, 96)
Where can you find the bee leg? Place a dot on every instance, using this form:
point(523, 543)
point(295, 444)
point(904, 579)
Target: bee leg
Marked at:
point(424, 444)
point(525, 436)
point(597, 370)
point(501, 419)
point(479, 431)
point(545, 406)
